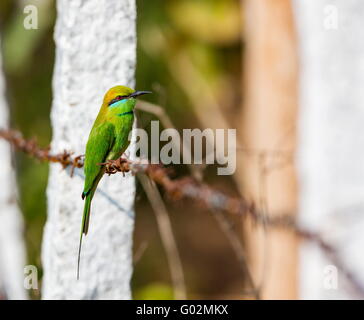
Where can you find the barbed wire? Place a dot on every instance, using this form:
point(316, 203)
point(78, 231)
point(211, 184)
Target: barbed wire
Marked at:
point(187, 188)
point(32, 148)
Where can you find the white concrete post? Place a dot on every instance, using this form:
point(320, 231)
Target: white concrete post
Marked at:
point(95, 50)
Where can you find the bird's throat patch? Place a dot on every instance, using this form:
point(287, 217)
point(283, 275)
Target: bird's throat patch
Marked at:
point(117, 103)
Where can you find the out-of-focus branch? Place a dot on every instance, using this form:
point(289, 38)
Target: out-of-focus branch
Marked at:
point(159, 112)
point(168, 240)
point(197, 173)
point(156, 110)
point(139, 252)
point(239, 251)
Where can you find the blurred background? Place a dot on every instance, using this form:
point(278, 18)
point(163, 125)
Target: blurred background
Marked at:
point(223, 64)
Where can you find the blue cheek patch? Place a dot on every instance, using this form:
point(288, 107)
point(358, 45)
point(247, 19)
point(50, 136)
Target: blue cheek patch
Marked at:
point(118, 103)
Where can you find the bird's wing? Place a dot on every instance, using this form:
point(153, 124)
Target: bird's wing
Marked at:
point(98, 146)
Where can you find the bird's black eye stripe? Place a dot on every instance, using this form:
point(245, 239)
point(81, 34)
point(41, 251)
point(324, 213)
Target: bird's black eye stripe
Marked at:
point(118, 98)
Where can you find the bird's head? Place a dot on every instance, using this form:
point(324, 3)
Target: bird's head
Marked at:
point(118, 93)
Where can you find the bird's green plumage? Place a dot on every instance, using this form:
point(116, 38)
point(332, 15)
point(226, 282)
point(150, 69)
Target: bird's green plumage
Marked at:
point(108, 140)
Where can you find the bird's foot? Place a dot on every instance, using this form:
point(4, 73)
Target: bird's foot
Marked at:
point(114, 166)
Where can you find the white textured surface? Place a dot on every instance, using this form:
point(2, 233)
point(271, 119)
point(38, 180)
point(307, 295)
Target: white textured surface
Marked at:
point(96, 44)
point(12, 252)
point(331, 139)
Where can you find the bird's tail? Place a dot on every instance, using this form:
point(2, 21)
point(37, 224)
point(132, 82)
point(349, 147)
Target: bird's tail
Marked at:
point(84, 226)
point(86, 214)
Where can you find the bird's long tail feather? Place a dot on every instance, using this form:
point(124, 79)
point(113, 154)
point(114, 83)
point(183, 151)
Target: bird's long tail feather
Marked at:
point(84, 227)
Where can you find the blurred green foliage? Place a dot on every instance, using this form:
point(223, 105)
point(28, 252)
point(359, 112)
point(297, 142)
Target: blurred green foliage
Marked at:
point(174, 37)
point(154, 291)
point(28, 65)
point(22, 43)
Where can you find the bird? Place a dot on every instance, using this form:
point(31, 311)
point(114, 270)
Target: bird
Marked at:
point(108, 139)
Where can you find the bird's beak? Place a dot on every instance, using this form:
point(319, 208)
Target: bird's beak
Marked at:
point(139, 93)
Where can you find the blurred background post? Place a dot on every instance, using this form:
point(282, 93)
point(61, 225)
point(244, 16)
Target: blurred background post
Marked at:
point(268, 126)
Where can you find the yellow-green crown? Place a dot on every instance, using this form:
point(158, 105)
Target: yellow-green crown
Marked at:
point(116, 91)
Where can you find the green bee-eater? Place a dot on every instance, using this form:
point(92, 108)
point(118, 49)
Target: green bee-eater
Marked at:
point(108, 140)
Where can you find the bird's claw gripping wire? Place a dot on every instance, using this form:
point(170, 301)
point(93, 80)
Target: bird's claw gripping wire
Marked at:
point(118, 165)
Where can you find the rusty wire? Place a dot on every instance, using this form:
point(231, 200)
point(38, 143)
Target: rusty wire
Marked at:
point(31, 148)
